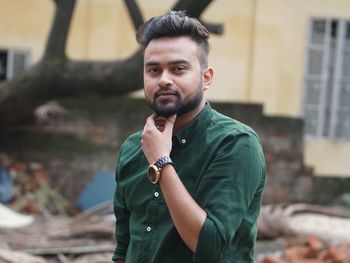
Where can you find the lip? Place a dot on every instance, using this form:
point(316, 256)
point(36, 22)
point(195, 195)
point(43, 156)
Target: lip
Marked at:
point(166, 94)
point(166, 97)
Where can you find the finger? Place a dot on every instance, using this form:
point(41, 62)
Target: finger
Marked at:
point(149, 123)
point(169, 124)
point(151, 126)
point(150, 119)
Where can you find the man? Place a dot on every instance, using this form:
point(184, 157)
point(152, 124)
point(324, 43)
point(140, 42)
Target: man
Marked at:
point(189, 185)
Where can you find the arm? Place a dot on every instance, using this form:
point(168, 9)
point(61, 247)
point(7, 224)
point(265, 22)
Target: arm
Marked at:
point(187, 215)
point(230, 191)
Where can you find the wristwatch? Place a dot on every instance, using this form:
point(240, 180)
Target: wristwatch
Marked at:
point(153, 171)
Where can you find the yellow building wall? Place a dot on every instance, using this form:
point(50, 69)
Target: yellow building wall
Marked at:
point(280, 50)
point(103, 30)
point(259, 58)
point(24, 25)
point(278, 70)
point(329, 158)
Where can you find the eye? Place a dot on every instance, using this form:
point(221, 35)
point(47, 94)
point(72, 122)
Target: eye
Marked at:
point(179, 68)
point(153, 70)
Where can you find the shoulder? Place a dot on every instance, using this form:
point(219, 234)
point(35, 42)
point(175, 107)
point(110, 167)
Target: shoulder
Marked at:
point(130, 146)
point(230, 135)
point(225, 125)
point(238, 140)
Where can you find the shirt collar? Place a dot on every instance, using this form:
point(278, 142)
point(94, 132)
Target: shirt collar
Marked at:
point(185, 135)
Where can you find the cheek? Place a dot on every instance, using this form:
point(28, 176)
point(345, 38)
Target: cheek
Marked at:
point(188, 84)
point(149, 83)
point(148, 89)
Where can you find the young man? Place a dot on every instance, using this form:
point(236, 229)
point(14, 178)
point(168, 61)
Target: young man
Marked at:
point(189, 185)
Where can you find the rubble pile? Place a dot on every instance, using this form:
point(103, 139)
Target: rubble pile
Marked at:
point(39, 225)
point(314, 250)
point(27, 189)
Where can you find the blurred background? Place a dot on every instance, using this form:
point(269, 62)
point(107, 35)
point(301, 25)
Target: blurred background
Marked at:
point(71, 92)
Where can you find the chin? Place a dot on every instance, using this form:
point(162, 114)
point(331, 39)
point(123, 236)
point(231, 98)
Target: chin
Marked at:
point(165, 114)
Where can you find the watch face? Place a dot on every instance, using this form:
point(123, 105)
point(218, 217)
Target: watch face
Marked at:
point(153, 174)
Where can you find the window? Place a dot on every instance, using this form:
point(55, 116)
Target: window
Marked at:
point(13, 62)
point(326, 104)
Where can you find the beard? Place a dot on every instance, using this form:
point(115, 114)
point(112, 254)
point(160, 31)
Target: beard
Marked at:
point(167, 108)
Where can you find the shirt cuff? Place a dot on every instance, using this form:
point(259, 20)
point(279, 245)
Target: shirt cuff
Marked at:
point(210, 243)
point(118, 254)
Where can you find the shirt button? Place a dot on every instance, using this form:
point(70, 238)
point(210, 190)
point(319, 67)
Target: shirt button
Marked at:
point(156, 194)
point(148, 229)
point(183, 141)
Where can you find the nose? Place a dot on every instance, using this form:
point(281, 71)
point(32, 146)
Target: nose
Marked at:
point(165, 79)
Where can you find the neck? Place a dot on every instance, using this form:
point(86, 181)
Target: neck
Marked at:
point(186, 118)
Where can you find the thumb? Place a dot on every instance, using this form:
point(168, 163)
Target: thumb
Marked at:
point(169, 124)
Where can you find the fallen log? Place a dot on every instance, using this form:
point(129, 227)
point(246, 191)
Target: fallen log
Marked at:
point(302, 220)
point(97, 248)
point(19, 256)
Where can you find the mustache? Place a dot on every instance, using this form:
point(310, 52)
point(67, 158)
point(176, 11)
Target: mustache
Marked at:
point(166, 92)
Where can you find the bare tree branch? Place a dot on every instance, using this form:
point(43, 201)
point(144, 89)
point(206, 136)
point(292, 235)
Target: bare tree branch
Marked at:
point(217, 29)
point(56, 43)
point(195, 8)
point(135, 13)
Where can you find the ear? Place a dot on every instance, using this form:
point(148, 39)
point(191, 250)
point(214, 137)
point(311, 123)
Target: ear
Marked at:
point(207, 77)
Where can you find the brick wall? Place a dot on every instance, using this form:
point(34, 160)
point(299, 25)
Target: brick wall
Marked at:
point(74, 147)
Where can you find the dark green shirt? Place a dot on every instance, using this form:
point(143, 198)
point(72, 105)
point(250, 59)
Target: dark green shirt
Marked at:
point(221, 164)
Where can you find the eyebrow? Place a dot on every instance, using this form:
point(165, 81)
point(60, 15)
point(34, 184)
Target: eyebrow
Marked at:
point(174, 62)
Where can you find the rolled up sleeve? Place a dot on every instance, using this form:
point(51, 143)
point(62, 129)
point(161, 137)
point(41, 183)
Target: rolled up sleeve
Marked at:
point(226, 192)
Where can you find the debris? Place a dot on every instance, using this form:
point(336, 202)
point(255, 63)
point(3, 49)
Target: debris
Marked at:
point(32, 192)
point(15, 257)
point(71, 250)
point(62, 237)
point(60, 234)
point(313, 250)
point(91, 226)
point(12, 219)
point(94, 258)
point(302, 220)
point(49, 111)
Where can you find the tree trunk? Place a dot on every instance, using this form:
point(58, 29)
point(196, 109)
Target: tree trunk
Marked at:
point(55, 76)
point(52, 79)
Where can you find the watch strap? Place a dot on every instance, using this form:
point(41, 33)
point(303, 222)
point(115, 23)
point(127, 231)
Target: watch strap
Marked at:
point(162, 161)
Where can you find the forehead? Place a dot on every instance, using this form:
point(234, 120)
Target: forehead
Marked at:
point(165, 49)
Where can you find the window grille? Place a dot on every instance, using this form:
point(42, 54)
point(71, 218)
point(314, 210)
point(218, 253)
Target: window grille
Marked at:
point(326, 104)
point(12, 63)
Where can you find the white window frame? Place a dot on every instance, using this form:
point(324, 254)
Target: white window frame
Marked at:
point(324, 77)
point(11, 53)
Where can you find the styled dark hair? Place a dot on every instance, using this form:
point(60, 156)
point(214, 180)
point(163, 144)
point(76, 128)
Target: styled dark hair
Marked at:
point(175, 24)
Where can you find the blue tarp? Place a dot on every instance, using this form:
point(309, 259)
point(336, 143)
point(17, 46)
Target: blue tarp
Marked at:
point(100, 189)
point(6, 186)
